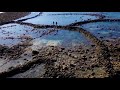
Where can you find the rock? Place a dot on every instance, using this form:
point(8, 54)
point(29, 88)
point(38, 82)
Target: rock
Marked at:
point(61, 49)
point(35, 52)
point(69, 54)
point(93, 66)
point(75, 56)
point(101, 37)
point(25, 59)
point(63, 66)
point(87, 49)
point(107, 41)
point(90, 57)
point(93, 45)
point(25, 54)
point(49, 53)
point(72, 65)
point(118, 49)
point(84, 58)
point(93, 74)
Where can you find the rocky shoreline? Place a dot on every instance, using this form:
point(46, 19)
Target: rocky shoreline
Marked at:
point(75, 62)
point(60, 62)
point(99, 60)
point(10, 16)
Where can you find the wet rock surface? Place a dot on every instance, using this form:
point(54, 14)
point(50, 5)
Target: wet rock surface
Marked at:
point(31, 59)
point(10, 16)
point(36, 71)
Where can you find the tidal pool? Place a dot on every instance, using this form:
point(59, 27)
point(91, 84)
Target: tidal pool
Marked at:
point(65, 38)
point(111, 15)
point(47, 18)
point(12, 34)
point(104, 30)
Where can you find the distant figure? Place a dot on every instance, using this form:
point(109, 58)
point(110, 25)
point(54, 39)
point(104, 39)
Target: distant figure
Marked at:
point(75, 20)
point(53, 22)
point(56, 23)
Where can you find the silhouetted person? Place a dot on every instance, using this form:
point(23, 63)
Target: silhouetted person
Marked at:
point(56, 23)
point(53, 22)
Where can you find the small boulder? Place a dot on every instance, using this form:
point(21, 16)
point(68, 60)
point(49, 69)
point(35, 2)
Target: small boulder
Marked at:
point(35, 52)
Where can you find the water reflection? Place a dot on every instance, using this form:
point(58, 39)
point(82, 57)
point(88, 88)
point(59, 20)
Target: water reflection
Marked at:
point(13, 34)
point(47, 19)
point(107, 30)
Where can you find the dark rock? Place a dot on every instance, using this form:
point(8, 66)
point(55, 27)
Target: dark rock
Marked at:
point(35, 52)
point(118, 49)
point(101, 37)
point(87, 50)
point(107, 40)
point(3, 49)
point(49, 53)
point(93, 74)
point(90, 57)
point(93, 45)
point(61, 49)
point(72, 65)
point(66, 68)
point(53, 60)
point(25, 54)
point(69, 54)
point(25, 59)
point(84, 58)
point(10, 68)
point(93, 66)
point(10, 51)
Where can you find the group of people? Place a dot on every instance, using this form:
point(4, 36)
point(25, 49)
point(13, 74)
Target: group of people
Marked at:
point(55, 27)
point(54, 23)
